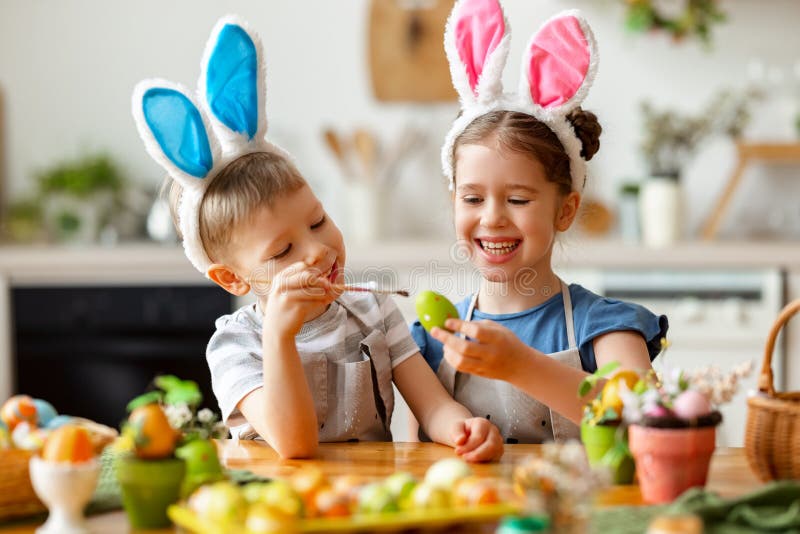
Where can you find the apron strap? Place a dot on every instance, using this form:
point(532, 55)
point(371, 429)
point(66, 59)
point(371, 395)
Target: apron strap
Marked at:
point(377, 393)
point(568, 315)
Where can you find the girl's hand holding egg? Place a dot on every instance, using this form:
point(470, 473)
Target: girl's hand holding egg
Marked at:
point(489, 349)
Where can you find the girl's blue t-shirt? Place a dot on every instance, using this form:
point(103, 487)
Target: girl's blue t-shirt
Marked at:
point(544, 326)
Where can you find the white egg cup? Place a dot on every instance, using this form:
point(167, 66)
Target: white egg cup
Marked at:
point(65, 489)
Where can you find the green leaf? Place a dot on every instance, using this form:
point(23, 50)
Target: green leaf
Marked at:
point(584, 388)
point(606, 369)
point(179, 391)
point(144, 399)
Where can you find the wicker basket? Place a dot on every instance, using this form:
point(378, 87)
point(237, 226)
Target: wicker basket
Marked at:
point(17, 498)
point(772, 436)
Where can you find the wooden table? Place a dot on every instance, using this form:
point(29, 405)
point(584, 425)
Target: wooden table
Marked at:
point(730, 475)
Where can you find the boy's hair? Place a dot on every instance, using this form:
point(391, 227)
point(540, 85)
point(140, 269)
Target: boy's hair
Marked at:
point(526, 134)
point(245, 184)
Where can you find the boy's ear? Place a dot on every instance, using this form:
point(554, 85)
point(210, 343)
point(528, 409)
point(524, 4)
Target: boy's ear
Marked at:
point(227, 279)
point(567, 211)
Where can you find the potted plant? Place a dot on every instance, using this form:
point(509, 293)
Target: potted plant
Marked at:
point(166, 452)
point(602, 430)
point(673, 417)
point(671, 139)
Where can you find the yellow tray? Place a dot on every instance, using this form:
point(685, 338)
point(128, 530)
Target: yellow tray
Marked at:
point(185, 518)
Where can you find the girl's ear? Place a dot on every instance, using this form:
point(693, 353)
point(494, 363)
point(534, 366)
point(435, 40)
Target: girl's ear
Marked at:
point(227, 279)
point(559, 64)
point(476, 41)
point(567, 211)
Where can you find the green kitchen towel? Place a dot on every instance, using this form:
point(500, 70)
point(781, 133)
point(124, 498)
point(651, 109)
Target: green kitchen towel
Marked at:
point(773, 508)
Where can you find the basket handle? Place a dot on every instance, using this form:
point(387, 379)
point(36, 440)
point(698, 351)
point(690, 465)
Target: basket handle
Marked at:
point(766, 382)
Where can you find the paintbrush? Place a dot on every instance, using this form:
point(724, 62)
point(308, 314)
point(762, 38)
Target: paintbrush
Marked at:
point(346, 287)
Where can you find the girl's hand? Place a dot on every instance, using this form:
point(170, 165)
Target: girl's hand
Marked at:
point(493, 351)
point(292, 294)
point(477, 440)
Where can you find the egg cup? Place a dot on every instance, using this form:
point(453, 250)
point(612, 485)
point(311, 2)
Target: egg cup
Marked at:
point(65, 489)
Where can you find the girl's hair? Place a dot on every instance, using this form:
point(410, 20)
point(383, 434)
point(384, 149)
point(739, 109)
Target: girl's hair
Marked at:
point(523, 133)
point(245, 184)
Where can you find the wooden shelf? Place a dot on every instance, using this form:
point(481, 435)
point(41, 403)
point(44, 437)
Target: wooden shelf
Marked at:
point(748, 153)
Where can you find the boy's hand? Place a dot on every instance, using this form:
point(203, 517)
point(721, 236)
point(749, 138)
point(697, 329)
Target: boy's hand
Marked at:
point(477, 440)
point(291, 295)
point(493, 351)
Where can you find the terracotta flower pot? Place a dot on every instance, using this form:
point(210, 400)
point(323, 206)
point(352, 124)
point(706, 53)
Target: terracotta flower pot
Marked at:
point(148, 488)
point(671, 460)
point(602, 449)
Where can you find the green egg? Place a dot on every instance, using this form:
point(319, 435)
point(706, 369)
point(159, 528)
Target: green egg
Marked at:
point(434, 309)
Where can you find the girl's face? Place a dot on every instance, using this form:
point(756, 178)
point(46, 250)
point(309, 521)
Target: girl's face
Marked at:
point(506, 212)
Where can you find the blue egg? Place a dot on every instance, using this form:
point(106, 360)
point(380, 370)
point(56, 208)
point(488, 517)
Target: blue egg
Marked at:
point(59, 420)
point(44, 412)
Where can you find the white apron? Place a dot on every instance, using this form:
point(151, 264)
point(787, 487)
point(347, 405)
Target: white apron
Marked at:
point(353, 394)
point(520, 418)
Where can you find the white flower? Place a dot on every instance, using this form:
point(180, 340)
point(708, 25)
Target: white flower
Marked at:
point(178, 414)
point(205, 415)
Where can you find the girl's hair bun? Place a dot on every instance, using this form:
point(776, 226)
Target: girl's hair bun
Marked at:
point(588, 131)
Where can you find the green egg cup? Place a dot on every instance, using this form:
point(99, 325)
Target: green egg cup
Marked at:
point(148, 488)
point(603, 450)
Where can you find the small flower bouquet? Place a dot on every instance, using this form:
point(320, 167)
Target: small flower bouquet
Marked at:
point(560, 484)
point(673, 417)
point(165, 451)
point(602, 430)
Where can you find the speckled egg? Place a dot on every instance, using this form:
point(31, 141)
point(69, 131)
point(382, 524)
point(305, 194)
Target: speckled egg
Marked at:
point(45, 412)
point(691, 404)
point(434, 309)
point(18, 409)
point(28, 437)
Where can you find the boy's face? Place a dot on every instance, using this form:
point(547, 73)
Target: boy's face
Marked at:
point(296, 228)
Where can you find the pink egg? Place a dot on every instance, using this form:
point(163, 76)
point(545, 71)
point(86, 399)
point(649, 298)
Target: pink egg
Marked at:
point(691, 404)
point(657, 411)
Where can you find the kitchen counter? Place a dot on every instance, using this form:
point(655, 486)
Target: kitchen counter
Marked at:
point(148, 262)
point(729, 474)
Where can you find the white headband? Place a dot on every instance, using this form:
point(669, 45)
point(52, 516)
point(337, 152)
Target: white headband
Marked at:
point(194, 142)
point(558, 69)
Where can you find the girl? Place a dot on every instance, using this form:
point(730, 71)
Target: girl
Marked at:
point(517, 164)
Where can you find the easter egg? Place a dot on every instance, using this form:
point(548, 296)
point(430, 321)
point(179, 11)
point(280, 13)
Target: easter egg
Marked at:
point(434, 309)
point(44, 412)
point(445, 473)
point(428, 497)
point(202, 464)
point(17, 409)
point(221, 503)
point(152, 434)
point(691, 404)
point(68, 444)
point(329, 503)
point(28, 437)
point(475, 491)
point(277, 495)
point(57, 421)
point(400, 485)
point(376, 499)
point(609, 396)
point(263, 519)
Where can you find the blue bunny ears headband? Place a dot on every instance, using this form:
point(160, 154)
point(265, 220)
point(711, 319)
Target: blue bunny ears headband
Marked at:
point(194, 141)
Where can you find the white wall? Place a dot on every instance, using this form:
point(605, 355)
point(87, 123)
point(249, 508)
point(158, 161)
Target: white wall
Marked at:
point(67, 69)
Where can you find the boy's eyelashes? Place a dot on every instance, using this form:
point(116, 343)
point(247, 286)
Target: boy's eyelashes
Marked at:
point(319, 223)
point(283, 253)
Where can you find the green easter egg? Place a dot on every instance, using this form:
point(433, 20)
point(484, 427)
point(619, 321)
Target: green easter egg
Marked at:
point(434, 309)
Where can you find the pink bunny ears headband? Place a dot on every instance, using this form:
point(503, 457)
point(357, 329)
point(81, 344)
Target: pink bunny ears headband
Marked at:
point(192, 141)
point(558, 68)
